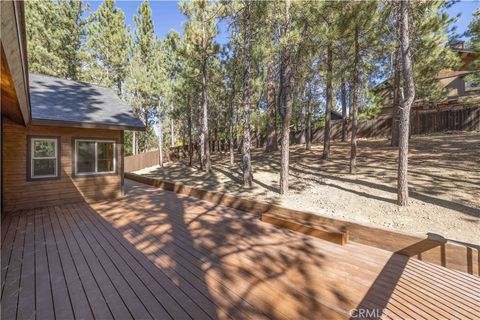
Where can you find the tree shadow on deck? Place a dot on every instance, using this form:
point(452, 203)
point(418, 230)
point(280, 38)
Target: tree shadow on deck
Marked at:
point(225, 260)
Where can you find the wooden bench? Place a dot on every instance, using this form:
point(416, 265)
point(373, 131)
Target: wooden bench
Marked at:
point(328, 233)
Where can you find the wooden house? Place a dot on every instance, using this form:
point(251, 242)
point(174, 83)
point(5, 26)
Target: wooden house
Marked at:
point(62, 140)
point(458, 90)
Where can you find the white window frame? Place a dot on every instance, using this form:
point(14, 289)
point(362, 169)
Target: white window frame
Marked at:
point(96, 173)
point(33, 158)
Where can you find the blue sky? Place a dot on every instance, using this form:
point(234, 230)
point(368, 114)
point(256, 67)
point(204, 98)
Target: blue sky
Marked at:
point(167, 16)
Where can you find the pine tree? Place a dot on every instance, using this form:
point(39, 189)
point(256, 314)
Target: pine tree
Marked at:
point(108, 47)
point(286, 93)
point(43, 41)
point(142, 67)
point(55, 37)
point(431, 53)
point(72, 31)
point(407, 101)
point(200, 31)
point(247, 166)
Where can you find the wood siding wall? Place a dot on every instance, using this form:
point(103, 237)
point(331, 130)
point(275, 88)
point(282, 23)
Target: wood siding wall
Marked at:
point(22, 194)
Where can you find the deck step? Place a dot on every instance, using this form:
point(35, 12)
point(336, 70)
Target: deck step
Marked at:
point(328, 233)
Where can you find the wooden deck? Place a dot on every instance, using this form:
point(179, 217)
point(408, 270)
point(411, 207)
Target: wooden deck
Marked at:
point(157, 254)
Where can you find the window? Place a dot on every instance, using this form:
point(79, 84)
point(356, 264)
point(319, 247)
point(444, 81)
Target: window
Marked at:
point(471, 86)
point(94, 157)
point(44, 154)
point(471, 81)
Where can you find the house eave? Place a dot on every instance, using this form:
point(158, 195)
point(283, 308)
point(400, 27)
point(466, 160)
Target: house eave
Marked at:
point(15, 49)
point(85, 125)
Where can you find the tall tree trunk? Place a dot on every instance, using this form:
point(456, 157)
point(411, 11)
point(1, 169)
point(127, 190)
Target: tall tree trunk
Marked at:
point(271, 144)
point(328, 108)
point(303, 119)
point(232, 126)
point(172, 134)
point(216, 144)
point(134, 142)
point(247, 166)
point(406, 104)
point(308, 140)
point(396, 89)
point(160, 136)
point(145, 133)
point(190, 136)
point(354, 105)
point(204, 141)
point(344, 110)
point(286, 101)
point(231, 136)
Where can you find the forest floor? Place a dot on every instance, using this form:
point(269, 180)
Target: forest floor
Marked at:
point(444, 180)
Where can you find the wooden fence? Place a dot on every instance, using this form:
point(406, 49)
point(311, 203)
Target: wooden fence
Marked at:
point(152, 158)
point(421, 122)
point(141, 160)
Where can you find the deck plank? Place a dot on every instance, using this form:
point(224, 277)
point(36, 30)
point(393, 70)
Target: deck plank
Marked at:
point(5, 225)
point(103, 248)
point(242, 280)
point(12, 281)
point(174, 298)
point(97, 273)
point(43, 292)
point(73, 259)
point(7, 244)
point(111, 275)
point(189, 271)
point(60, 294)
point(157, 254)
point(26, 297)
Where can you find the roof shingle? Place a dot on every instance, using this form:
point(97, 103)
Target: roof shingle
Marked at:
point(66, 101)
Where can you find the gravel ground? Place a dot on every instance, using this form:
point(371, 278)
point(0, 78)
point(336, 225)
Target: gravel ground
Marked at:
point(444, 179)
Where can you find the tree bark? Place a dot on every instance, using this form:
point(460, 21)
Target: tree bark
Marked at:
point(145, 133)
point(172, 134)
point(231, 136)
point(396, 89)
point(272, 109)
point(204, 145)
point(134, 142)
point(232, 126)
point(160, 136)
point(406, 104)
point(354, 105)
point(190, 137)
point(328, 107)
point(344, 110)
point(247, 166)
point(286, 101)
point(308, 136)
point(303, 120)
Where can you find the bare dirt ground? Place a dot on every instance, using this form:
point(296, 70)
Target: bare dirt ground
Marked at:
point(444, 179)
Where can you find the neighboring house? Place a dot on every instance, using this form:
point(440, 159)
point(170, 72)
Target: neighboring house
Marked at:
point(62, 140)
point(458, 89)
point(335, 115)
